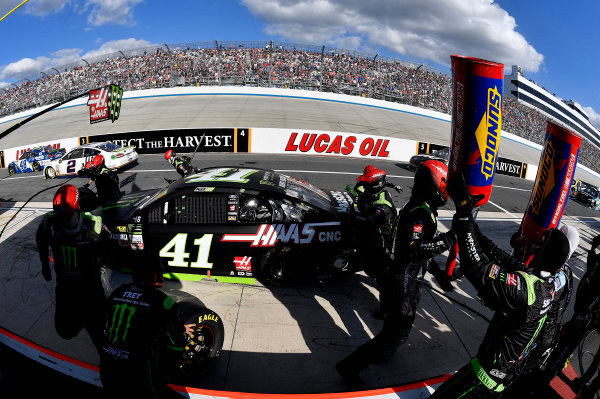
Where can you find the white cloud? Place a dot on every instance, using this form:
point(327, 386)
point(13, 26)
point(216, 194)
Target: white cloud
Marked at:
point(425, 29)
point(44, 7)
point(99, 12)
point(28, 67)
point(116, 45)
point(594, 116)
point(111, 11)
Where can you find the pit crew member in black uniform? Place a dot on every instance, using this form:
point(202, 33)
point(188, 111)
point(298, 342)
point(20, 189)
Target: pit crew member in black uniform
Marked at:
point(521, 300)
point(586, 317)
point(144, 340)
point(374, 219)
point(401, 284)
point(182, 164)
point(107, 180)
point(530, 382)
point(76, 239)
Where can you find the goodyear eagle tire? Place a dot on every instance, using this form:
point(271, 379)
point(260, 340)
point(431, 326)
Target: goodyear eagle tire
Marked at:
point(11, 170)
point(278, 268)
point(49, 172)
point(204, 345)
point(36, 166)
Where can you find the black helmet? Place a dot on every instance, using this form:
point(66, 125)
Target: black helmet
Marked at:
point(373, 180)
point(430, 183)
point(552, 251)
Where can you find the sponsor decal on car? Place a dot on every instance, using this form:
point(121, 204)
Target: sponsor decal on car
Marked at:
point(268, 235)
point(243, 263)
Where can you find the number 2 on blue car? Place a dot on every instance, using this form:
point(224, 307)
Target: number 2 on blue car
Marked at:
point(175, 249)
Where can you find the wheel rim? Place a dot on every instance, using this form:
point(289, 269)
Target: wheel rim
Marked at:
point(11, 170)
point(50, 172)
point(201, 345)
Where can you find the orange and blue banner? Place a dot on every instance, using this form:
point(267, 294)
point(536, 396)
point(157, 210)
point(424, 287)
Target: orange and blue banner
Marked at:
point(552, 185)
point(476, 122)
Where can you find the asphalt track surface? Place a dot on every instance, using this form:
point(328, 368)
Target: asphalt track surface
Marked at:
point(281, 340)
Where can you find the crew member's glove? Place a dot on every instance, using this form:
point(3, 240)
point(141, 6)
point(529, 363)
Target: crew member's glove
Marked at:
point(46, 272)
point(515, 239)
point(459, 192)
point(449, 238)
point(595, 242)
point(439, 276)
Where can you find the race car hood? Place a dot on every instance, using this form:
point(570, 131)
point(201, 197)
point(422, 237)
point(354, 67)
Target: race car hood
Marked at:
point(123, 210)
point(333, 201)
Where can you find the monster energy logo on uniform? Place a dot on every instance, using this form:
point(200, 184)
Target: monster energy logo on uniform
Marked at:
point(69, 255)
point(114, 102)
point(120, 312)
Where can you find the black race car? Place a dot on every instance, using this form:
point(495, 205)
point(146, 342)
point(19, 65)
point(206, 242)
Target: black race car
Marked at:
point(439, 155)
point(587, 195)
point(236, 224)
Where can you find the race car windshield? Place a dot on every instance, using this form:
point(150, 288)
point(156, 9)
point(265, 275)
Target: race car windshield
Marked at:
point(591, 192)
point(109, 147)
point(305, 192)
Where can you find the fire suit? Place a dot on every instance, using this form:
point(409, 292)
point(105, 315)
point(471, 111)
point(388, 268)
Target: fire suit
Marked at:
point(107, 183)
point(521, 301)
point(183, 165)
point(401, 283)
point(80, 298)
point(585, 318)
point(531, 382)
point(374, 223)
point(143, 343)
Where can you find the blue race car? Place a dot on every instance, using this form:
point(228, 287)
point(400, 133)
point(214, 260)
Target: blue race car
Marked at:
point(35, 159)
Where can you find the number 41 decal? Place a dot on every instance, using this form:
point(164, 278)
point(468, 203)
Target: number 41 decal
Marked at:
point(176, 249)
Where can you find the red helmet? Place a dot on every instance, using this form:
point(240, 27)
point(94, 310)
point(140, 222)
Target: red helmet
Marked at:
point(170, 156)
point(431, 179)
point(66, 199)
point(373, 178)
point(97, 161)
point(88, 165)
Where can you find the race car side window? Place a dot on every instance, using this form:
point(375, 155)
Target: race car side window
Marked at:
point(91, 152)
point(76, 153)
point(255, 209)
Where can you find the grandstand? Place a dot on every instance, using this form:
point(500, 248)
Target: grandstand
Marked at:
point(294, 66)
point(570, 113)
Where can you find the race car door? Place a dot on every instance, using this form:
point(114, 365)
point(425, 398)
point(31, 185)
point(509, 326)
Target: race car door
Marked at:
point(186, 230)
point(72, 162)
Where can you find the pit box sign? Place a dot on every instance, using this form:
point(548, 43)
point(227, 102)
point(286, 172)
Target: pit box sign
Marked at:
point(105, 103)
point(428, 148)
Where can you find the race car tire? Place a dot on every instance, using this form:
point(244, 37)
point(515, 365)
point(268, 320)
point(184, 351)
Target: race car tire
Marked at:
point(204, 345)
point(49, 172)
point(11, 170)
point(278, 268)
point(36, 166)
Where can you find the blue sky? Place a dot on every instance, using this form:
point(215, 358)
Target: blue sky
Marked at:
point(554, 41)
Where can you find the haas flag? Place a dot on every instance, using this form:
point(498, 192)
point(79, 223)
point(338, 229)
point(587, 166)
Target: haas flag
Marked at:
point(105, 103)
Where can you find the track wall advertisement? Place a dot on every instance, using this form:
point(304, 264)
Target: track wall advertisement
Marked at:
point(180, 140)
point(314, 142)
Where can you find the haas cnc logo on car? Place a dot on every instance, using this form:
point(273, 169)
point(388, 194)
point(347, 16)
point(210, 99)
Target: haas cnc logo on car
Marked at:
point(268, 234)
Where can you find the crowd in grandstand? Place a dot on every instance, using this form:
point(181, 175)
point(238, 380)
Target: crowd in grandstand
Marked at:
point(270, 66)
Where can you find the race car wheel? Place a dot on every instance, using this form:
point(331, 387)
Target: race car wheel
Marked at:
point(204, 344)
point(49, 172)
point(11, 170)
point(278, 268)
point(36, 166)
